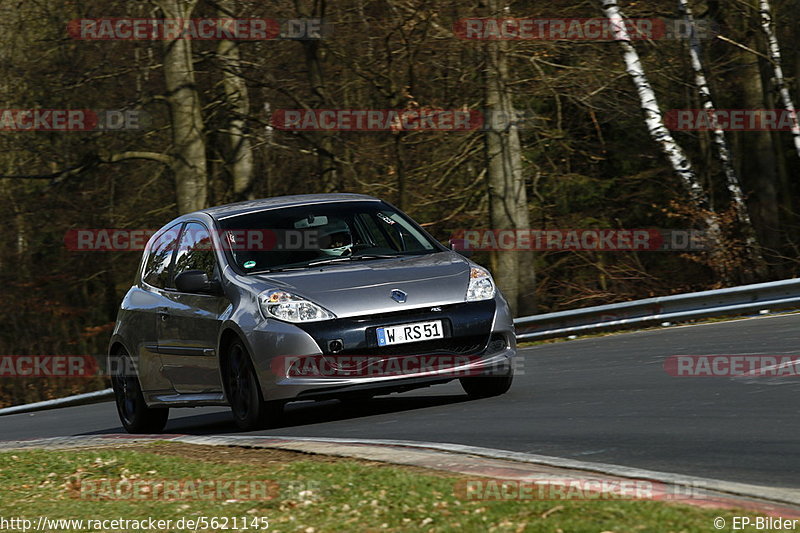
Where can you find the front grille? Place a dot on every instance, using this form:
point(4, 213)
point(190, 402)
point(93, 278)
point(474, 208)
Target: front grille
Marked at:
point(466, 326)
point(472, 345)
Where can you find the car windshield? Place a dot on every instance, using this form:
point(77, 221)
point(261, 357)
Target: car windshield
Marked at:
point(321, 234)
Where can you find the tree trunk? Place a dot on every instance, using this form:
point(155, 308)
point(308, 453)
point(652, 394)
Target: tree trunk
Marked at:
point(774, 52)
point(759, 164)
point(508, 203)
point(189, 147)
point(327, 168)
point(732, 180)
point(240, 162)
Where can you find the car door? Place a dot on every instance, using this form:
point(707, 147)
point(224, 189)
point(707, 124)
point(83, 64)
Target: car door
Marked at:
point(189, 323)
point(146, 302)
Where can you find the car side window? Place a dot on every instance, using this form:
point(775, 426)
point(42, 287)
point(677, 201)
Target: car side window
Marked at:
point(379, 237)
point(196, 251)
point(390, 231)
point(156, 271)
point(410, 238)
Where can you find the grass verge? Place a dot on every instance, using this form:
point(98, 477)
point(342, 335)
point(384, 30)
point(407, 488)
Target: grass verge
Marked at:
point(312, 493)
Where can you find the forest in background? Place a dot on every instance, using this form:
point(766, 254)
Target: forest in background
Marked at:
point(584, 158)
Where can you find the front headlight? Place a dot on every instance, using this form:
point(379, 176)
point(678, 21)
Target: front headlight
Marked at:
point(289, 307)
point(481, 285)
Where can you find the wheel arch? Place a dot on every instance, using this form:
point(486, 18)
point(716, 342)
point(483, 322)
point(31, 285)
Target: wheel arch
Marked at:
point(227, 336)
point(116, 347)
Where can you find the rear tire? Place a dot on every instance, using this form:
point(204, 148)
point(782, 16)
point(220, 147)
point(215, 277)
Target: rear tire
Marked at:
point(135, 415)
point(487, 386)
point(249, 409)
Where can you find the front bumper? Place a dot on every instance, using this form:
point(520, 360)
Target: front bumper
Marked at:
point(479, 341)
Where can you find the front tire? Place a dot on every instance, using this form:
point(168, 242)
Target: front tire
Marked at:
point(249, 409)
point(135, 415)
point(487, 386)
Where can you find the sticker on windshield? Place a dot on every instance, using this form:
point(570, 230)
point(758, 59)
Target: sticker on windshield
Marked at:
point(250, 264)
point(386, 219)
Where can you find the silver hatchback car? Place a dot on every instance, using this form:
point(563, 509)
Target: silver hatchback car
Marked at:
point(308, 297)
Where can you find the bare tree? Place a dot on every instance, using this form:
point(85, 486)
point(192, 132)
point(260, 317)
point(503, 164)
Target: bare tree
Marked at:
point(720, 141)
point(508, 203)
point(188, 158)
point(327, 167)
point(758, 160)
point(241, 163)
point(774, 51)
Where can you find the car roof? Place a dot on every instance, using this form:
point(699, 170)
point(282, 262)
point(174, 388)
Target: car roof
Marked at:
point(252, 206)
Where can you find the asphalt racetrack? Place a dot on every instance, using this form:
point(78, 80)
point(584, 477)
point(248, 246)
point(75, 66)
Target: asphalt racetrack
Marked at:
point(605, 399)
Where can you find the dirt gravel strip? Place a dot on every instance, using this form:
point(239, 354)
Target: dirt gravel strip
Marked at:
point(465, 460)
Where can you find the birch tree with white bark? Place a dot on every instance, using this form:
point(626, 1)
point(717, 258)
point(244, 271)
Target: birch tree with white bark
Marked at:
point(720, 141)
point(654, 121)
point(774, 50)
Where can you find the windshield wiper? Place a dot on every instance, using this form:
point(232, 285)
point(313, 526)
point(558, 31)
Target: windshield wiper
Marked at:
point(279, 269)
point(327, 261)
point(347, 258)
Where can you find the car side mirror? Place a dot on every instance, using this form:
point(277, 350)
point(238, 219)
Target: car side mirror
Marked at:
point(194, 281)
point(460, 246)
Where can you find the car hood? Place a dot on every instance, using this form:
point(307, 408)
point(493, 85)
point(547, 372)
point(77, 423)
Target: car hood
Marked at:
point(365, 287)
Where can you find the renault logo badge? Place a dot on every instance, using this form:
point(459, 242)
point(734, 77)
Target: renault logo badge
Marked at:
point(399, 296)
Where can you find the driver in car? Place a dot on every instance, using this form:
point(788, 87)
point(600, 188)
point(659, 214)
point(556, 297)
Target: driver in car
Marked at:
point(335, 239)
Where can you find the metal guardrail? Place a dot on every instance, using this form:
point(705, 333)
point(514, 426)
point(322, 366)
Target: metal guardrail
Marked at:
point(783, 294)
point(69, 401)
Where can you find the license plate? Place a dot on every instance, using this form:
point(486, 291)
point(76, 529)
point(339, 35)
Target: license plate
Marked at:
point(418, 331)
